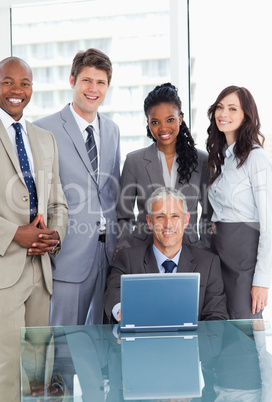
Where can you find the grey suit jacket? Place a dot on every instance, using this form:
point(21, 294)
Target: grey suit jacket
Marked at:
point(14, 201)
point(141, 175)
point(85, 195)
point(140, 260)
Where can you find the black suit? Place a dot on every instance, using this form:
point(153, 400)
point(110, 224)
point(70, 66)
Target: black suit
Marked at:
point(140, 260)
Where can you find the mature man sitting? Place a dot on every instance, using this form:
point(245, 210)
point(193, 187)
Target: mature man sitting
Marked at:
point(167, 218)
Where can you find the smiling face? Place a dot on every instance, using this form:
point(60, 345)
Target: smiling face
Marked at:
point(168, 223)
point(15, 87)
point(229, 116)
point(90, 90)
point(164, 121)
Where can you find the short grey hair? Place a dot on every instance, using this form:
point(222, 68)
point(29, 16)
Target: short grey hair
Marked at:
point(163, 192)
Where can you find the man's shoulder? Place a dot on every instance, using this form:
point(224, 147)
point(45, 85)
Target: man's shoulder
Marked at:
point(47, 121)
point(134, 251)
point(199, 253)
point(39, 131)
point(105, 120)
point(133, 260)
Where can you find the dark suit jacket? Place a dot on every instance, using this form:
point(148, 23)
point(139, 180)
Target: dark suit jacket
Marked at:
point(141, 175)
point(140, 260)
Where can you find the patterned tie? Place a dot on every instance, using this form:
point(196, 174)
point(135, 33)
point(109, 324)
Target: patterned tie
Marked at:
point(24, 163)
point(168, 265)
point(91, 149)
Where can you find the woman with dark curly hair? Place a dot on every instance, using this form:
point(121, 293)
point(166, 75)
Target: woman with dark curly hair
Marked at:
point(171, 161)
point(241, 197)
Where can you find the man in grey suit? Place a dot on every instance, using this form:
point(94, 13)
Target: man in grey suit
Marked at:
point(91, 184)
point(167, 218)
point(29, 232)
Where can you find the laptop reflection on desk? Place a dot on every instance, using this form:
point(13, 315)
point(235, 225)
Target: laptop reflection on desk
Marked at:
point(159, 302)
point(160, 366)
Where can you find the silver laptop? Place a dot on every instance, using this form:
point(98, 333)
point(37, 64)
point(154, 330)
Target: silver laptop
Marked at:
point(159, 302)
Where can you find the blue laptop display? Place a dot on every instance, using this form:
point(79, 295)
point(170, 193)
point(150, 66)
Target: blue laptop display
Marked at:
point(159, 302)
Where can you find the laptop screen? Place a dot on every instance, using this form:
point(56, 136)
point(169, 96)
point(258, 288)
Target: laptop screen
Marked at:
point(159, 302)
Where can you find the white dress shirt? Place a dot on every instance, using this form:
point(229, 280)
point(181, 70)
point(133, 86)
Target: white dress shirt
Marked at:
point(245, 195)
point(160, 258)
point(169, 178)
point(83, 124)
point(7, 121)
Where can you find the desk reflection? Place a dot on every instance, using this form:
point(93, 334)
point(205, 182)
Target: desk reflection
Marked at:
point(165, 366)
point(221, 361)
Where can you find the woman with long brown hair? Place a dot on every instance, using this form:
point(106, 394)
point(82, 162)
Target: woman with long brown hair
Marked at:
point(241, 196)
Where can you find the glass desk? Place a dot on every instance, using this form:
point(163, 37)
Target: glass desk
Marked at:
point(221, 361)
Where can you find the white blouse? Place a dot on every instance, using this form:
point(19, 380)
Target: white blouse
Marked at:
point(245, 195)
point(169, 178)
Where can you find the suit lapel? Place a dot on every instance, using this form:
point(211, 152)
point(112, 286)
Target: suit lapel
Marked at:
point(4, 137)
point(71, 127)
point(185, 261)
point(185, 264)
point(150, 263)
point(153, 167)
point(36, 147)
point(105, 156)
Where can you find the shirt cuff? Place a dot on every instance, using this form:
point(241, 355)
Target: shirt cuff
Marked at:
point(260, 279)
point(115, 310)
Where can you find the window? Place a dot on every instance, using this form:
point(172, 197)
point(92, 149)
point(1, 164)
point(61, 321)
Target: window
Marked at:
point(137, 39)
point(229, 46)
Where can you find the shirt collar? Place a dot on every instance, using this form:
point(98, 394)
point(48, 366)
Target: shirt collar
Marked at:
point(160, 257)
point(82, 123)
point(229, 150)
point(7, 120)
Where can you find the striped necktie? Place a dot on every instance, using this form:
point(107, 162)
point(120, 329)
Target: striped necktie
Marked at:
point(25, 168)
point(91, 149)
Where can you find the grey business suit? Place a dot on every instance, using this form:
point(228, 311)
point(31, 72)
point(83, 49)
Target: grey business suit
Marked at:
point(142, 174)
point(141, 260)
point(85, 196)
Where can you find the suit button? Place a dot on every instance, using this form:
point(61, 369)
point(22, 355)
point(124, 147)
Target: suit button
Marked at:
point(25, 198)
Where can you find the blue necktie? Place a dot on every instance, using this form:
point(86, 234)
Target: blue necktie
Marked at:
point(24, 163)
point(169, 265)
point(91, 149)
